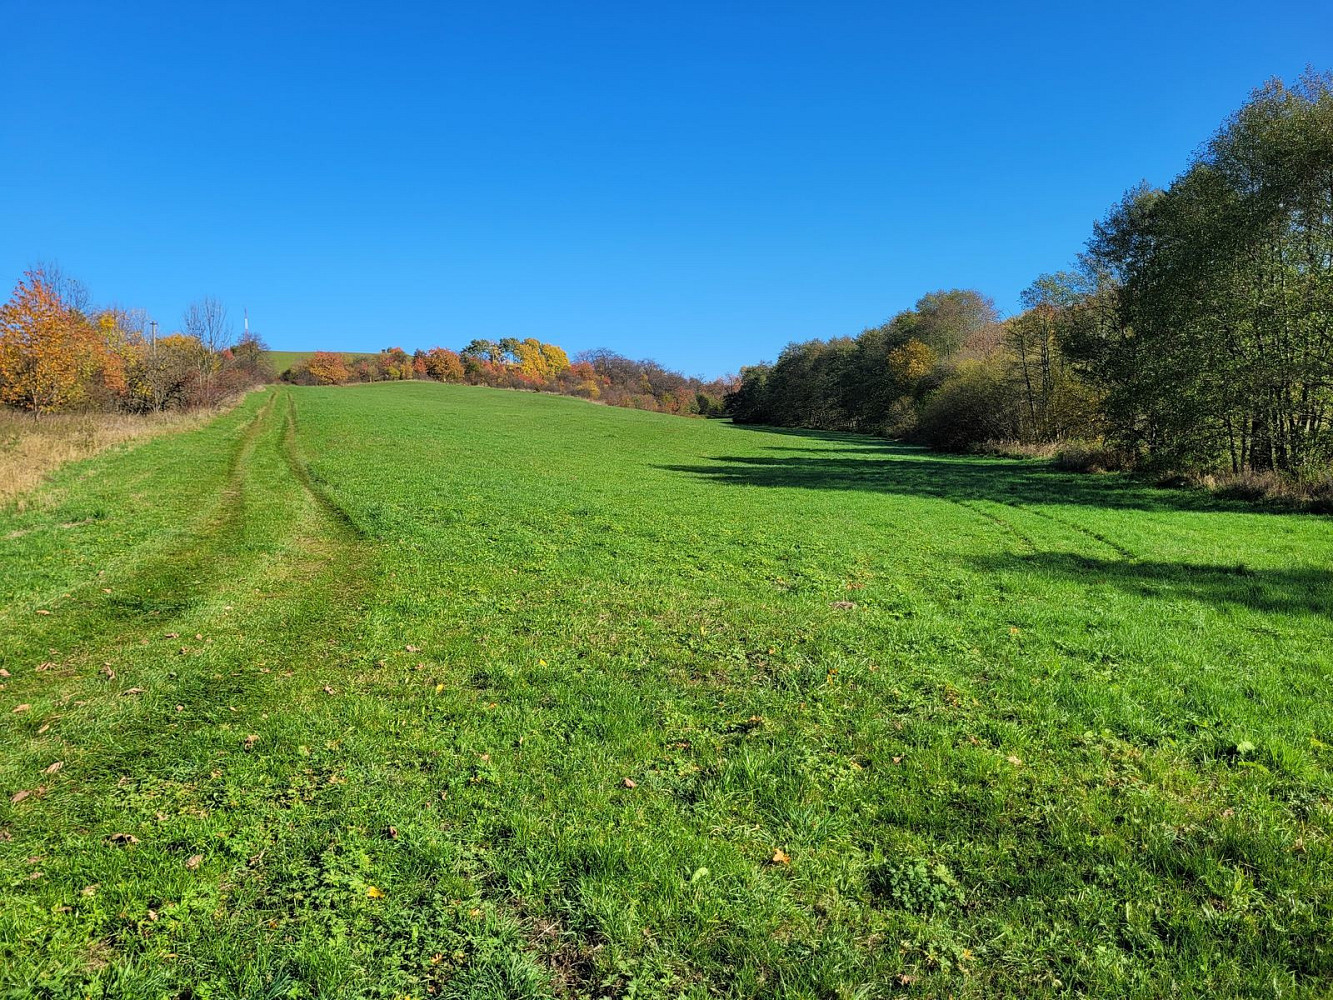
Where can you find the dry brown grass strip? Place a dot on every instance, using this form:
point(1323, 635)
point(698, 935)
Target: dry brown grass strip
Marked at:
point(34, 446)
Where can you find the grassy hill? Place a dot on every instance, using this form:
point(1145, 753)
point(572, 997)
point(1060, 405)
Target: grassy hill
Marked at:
point(282, 360)
point(428, 690)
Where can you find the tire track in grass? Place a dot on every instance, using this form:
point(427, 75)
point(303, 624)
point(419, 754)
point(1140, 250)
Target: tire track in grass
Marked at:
point(274, 579)
point(290, 452)
point(1096, 536)
point(269, 549)
point(164, 580)
point(1007, 526)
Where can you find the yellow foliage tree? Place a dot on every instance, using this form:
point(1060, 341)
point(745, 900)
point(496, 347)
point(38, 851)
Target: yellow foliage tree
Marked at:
point(51, 356)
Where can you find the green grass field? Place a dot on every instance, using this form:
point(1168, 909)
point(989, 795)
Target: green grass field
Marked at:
point(418, 690)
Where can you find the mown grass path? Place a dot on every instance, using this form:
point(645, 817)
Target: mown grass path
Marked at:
point(417, 690)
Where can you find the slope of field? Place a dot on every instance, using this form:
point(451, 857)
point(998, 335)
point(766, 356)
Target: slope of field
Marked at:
point(280, 361)
point(426, 690)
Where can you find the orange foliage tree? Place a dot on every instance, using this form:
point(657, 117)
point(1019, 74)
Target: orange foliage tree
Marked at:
point(442, 365)
point(396, 364)
point(51, 356)
point(327, 368)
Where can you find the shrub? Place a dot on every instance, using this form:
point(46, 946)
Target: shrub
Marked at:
point(1082, 456)
point(975, 404)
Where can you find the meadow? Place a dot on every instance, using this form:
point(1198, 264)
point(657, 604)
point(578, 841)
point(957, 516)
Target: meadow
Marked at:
point(422, 690)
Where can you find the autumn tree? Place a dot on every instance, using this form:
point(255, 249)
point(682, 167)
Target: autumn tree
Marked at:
point(51, 357)
point(327, 368)
point(442, 365)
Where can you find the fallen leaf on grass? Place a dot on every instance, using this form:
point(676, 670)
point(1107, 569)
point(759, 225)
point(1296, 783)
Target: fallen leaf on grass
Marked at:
point(4, 672)
point(781, 857)
point(630, 783)
point(19, 796)
point(250, 741)
point(194, 862)
point(108, 672)
point(374, 892)
point(53, 768)
point(392, 832)
point(43, 728)
point(172, 635)
point(844, 605)
point(122, 838)
point(1015, 760)
point(45, 666)
point(329, 690)
point(133, 691)
point(21, 708)
point(43, 611)
point(413, 649)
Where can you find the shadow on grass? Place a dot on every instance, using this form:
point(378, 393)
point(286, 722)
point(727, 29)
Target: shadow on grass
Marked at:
point(860, 463)
point(1304, 590)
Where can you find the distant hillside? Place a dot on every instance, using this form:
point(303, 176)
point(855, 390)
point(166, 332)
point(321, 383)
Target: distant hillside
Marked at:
point(282, 360)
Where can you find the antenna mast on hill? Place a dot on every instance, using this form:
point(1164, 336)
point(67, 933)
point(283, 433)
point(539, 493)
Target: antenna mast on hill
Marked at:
point(246, 313)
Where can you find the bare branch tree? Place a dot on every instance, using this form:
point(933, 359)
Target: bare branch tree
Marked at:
point(207, 320)
point(72, 292)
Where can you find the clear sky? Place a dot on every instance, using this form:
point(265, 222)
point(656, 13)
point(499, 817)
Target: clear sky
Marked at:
point(695, 182)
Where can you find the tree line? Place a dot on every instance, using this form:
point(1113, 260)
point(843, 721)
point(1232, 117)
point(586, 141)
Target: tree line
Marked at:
point(1194, 334)
point(60, 352)
point(511, 363)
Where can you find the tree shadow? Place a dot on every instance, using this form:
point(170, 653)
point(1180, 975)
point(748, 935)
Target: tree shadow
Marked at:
point(1289, 591)
point(847, 439)
point(908, 471)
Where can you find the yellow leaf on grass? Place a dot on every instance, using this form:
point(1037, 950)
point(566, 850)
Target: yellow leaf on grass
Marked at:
point(374, 892)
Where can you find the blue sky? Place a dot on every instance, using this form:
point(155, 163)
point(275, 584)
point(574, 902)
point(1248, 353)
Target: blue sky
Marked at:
point(696, 182)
